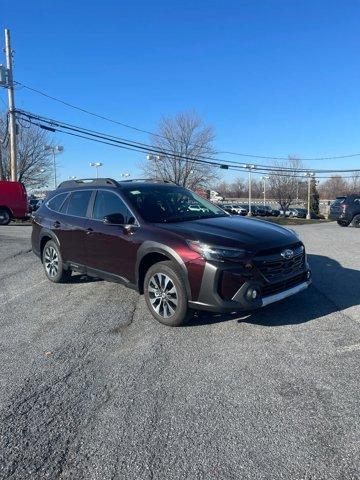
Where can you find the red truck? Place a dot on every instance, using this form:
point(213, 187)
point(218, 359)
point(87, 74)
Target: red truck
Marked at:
point(13, 201)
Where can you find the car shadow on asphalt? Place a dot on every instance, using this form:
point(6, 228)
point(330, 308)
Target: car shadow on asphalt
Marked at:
point(334, 288)
point(82, 278)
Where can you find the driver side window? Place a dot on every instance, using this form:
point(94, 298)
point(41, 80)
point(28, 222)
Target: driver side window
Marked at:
point(107, 203)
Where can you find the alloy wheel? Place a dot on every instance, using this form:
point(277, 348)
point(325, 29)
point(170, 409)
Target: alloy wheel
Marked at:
point(51, 260)
point(163, 295)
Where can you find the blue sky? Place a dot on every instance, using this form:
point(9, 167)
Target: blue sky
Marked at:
point(273, 77)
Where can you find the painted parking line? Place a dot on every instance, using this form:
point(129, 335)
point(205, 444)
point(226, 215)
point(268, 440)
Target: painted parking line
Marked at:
point(22, 293)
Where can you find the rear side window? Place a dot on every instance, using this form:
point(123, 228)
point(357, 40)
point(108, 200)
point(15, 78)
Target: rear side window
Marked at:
point(56, 202)
point(357, 200)
point(78, 203)
point(107, 203)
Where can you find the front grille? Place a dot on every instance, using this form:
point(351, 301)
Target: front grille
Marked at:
point(284, 285)
point(275, 268)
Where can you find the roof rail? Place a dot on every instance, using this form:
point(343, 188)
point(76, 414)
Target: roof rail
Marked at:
point(86, 182)
point(146, 180)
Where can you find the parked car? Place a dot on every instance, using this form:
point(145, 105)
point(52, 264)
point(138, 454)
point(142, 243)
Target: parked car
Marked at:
point(141, 234)
point(335, 209)
point(258, 211)
point(34, 204)
point(270, 212)
point(298, 212)
point(228, 208)
point(234, 209)
point(346, 210)
point(13, 202)
point(240, 209)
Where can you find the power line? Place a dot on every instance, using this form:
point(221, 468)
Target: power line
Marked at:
point(102, 117)
point(150, 148)
point(140, 148)
point(108, 119)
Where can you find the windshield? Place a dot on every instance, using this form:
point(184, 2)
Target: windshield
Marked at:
point(165, 204)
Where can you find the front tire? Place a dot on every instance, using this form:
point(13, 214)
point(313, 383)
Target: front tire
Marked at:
point(356, 221)
point(4, 216)
point(342, 223)
point(165, 294)
point(53, 264)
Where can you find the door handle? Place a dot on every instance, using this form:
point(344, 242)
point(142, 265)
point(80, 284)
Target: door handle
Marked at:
point(56, 224)
point(89, 231)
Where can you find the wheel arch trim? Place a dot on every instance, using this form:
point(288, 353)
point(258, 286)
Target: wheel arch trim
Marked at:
point(149, 247)
point(45, 232)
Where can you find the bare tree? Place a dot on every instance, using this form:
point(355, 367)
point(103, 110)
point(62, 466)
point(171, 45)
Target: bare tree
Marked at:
point(284, 181)
point(333, 187)
point(354, 182)
point(182, 141)
point(34, 163)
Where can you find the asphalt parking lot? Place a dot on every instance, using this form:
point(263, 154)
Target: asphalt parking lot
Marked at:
point(93, 388)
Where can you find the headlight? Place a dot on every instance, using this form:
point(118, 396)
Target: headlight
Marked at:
point(210, 252)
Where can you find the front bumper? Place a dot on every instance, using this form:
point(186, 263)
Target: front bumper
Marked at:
point(210, 299)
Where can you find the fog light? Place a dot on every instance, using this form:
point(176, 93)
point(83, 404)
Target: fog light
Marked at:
point(308, 274)
point(252, 293)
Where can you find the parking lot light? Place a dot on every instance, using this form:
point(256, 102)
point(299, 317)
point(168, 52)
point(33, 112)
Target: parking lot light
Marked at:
point(96, 165)
point(249, 167)
point(310, 175)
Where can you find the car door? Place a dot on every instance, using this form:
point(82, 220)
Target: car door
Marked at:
point(111, 248)
point(69, 226)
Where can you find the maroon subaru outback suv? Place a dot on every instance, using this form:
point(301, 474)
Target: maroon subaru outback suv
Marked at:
point(179, 250)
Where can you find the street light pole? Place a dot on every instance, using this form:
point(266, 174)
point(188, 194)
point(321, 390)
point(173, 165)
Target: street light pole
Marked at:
point(310, 175)
point(249, 167)
point(97, 165)
point(264, 180)
point(56, 149)
point(154, 158)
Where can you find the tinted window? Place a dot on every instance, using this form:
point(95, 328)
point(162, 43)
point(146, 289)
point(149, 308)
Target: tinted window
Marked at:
point(357, 200)
point(170, 204)
point(107, 203)
point(56, 202)
point(78, 203)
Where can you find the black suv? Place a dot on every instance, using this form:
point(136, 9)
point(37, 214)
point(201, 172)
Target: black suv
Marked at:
point(346, 210)
point(178, 249)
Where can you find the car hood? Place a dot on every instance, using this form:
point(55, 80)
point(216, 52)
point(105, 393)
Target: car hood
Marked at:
point(231, 231)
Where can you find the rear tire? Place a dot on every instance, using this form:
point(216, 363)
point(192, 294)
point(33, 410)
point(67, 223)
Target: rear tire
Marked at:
point(5, 216)
point(356, 221)
point(165, 294)
point(53, 264)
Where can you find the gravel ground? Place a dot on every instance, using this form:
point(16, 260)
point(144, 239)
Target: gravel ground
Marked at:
point(92, 388)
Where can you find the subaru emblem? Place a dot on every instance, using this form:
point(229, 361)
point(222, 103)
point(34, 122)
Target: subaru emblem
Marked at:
point(287, 254)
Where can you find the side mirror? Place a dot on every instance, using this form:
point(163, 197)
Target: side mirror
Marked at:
point(114, 219)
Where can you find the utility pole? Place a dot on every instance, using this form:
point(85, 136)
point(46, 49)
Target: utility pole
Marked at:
point(310, 175)
point(12, 122)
